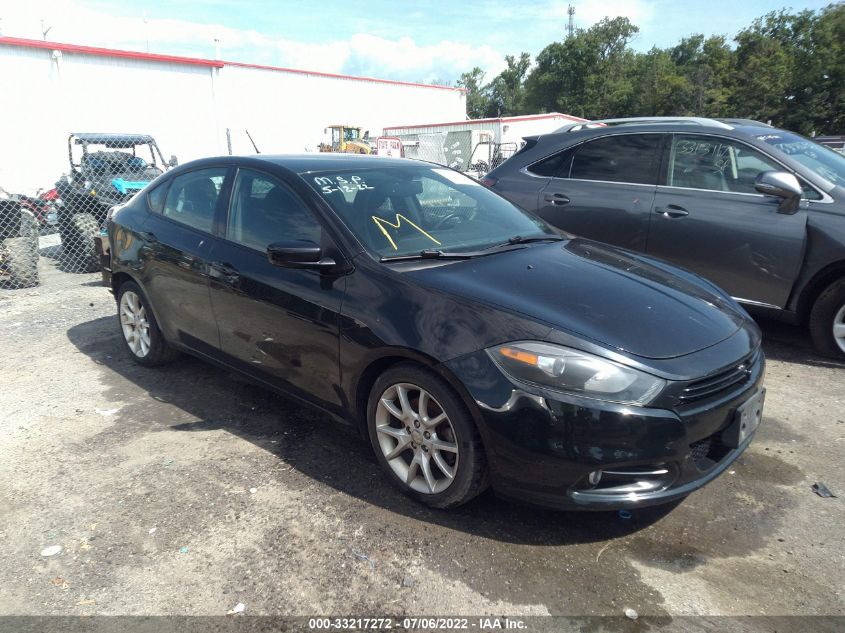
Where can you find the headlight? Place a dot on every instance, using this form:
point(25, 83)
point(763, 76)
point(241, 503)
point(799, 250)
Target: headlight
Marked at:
point(572, 371)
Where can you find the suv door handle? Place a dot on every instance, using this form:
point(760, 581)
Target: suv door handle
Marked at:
point(671, 211)
point(557, 199)
point(224, 272)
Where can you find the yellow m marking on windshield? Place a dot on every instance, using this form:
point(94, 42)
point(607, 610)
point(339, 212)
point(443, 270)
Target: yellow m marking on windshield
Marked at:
point(381, 222)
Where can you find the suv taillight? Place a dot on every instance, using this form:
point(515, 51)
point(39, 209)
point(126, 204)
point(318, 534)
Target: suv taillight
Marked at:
point(489, 181)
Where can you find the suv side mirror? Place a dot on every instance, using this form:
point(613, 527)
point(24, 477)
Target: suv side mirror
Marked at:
point(783, 185)
point(298, 254)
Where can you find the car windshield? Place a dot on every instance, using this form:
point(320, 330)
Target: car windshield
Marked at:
point(402, 210)
point(822, 160)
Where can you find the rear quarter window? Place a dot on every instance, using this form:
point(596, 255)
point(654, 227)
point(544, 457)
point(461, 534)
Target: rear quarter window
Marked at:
point(157, 196)
point(555, 166)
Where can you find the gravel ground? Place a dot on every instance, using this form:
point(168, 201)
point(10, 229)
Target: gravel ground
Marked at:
point(186, 490)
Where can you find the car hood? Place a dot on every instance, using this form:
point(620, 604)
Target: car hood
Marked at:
point(598, 292)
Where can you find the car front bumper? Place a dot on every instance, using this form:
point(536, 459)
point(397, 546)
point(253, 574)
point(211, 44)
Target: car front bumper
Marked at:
point(546, 448)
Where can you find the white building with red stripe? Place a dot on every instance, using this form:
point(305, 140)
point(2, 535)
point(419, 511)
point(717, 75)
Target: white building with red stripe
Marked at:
point(188, 104)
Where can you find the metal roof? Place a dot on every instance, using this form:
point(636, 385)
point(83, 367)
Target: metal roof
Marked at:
point(111, 139)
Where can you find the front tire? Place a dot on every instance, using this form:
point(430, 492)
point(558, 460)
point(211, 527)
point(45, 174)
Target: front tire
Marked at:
point(140, 332)
point(827, 321)
point(424, 438)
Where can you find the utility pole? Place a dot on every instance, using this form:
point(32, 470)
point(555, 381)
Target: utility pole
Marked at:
point(570, 29)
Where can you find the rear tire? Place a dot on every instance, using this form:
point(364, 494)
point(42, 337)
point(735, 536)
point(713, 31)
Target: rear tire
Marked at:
point(77, 234)
point(141, 335)
point(451, 464)
point(827, 321)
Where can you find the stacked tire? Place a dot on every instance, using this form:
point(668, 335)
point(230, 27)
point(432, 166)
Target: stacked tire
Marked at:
point(18, 246)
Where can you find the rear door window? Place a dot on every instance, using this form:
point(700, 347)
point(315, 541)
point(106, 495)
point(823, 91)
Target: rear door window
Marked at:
point(192, 198)
point(626, 158)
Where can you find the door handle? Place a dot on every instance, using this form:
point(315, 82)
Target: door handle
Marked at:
point(671, 211)
point(557, 199)
point(224, 272)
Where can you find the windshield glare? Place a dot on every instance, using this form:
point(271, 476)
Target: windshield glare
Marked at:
point(822, 160)
point(396, 211)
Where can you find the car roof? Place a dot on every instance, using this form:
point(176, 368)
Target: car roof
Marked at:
point(689, 125)
point(109, 138)
point(328, 160)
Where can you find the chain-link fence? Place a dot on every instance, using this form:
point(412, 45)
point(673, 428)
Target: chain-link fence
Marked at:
point(473, 152)
point(56, 231)
point(19, 245)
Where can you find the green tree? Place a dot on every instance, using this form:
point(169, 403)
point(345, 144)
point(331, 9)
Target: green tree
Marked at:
point(785, 67)
point(505, 94)
point(477, 99)
point(588, 74)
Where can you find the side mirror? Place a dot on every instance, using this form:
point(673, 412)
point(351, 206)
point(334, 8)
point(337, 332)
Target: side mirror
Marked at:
point(783, 185)
point(173, 161)
point(298, 254)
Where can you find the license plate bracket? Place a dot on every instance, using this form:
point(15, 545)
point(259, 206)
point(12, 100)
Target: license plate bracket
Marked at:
point(746, 420)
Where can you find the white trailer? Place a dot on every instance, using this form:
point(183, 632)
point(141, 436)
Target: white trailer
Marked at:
point(477, 145)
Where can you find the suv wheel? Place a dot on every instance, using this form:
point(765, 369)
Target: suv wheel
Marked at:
point(141, 333)
point(424, 438)
point(827, 320)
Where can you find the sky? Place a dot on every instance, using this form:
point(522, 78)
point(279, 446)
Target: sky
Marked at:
point(426, 40)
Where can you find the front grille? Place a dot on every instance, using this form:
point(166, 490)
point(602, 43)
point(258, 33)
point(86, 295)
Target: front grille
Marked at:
point(719, 382)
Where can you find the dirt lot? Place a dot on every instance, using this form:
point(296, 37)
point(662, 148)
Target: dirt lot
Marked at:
point(185, 490)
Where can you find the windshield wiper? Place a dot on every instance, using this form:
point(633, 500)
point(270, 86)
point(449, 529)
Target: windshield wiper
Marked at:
point(428, 253)
point(519, 239)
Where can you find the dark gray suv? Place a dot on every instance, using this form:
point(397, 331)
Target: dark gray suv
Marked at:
point(757, 210)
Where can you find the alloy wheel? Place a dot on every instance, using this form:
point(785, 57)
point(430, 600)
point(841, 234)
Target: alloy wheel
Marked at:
point(416, 438)
point(839, 328)
point(134, 323)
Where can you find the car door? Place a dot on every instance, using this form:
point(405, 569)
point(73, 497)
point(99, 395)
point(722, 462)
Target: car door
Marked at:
point(178, 243)
point(278, 324)
point(708, 217)
point(603, 189)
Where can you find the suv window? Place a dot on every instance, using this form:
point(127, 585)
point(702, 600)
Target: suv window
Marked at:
point(265, 210)
point(556, 165)
point(192, 198)
point(719, 164)
point(628, 158)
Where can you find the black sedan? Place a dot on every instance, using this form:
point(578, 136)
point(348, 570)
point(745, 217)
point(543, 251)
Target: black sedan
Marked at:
point(472, 343)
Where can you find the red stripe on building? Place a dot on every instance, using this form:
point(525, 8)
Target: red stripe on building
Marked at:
point(109, 52)
point(196, 61)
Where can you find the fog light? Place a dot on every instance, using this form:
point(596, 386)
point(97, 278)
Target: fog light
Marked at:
point(594, 477)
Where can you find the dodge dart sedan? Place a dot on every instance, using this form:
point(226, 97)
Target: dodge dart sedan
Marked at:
point(473, 344)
